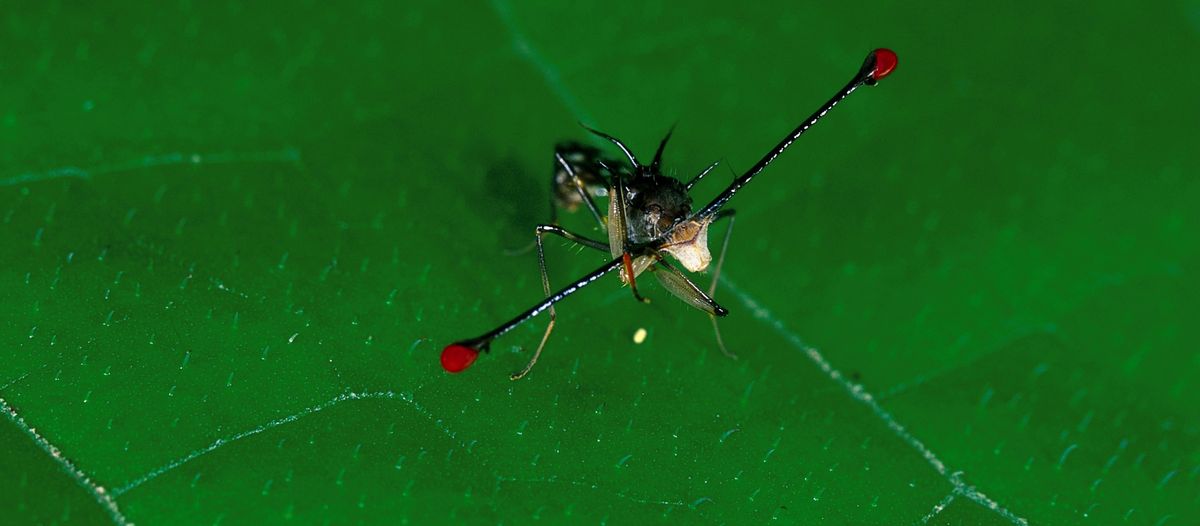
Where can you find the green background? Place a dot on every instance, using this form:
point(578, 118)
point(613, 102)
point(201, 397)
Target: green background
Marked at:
point(236, 236)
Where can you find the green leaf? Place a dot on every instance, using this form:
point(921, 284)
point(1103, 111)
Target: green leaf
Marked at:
point(238, 235)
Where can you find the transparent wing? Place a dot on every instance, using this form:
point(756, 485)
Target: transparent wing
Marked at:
point(681, 287)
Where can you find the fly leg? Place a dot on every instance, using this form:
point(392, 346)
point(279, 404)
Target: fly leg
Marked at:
point(712, 288)
point(578, 186)
point(539, 232)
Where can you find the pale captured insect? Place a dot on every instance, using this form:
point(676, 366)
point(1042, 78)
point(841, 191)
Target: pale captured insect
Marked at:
point(649, 217)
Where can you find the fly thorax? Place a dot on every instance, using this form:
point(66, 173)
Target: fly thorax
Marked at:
point(656, 204)
point(689, 244)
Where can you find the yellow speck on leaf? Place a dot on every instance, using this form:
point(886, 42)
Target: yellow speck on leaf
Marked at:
point(639, 336)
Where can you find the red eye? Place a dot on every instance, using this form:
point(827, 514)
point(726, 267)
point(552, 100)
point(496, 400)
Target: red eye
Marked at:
point(456, 358)
point(885, 63)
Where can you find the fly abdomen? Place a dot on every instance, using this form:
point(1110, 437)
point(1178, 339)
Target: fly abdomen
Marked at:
point(589, 167)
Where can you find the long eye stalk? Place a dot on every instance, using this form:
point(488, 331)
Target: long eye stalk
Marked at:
point(461, 354)
point(879, 64)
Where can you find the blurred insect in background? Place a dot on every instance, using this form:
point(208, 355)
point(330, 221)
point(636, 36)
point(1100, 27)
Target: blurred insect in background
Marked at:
point(649, 216)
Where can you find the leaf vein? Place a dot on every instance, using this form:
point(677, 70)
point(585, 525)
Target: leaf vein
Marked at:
point(224, 441)
point(860, 394)
point(105, 499)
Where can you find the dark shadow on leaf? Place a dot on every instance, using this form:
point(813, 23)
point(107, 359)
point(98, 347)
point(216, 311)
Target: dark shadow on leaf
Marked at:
point(512, 196)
